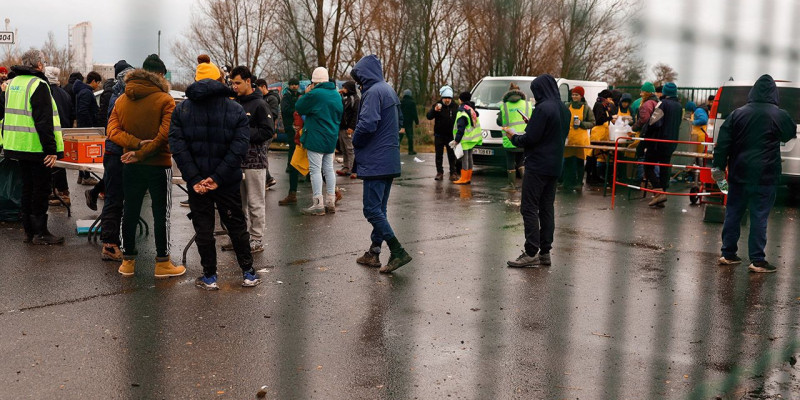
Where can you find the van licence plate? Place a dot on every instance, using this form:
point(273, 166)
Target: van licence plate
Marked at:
point(484, 152)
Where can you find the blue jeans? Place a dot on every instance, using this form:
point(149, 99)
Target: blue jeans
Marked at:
point(318, 164)
point(759, 199)
point(376, 197)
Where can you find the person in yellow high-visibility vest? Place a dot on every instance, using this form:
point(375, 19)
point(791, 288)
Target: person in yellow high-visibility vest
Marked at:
point(513, 114)
point(581, 121)
point(467, 131)
point(31, 133)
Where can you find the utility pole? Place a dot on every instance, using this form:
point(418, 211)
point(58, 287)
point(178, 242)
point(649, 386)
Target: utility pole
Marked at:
point(159, 42)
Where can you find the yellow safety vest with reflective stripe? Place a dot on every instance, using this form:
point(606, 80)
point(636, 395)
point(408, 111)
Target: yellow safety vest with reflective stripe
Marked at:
point(472, 134)
point(511, 117)
point(19, 129)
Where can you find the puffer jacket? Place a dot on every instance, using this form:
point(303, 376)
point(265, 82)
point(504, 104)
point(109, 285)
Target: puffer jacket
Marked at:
point(143, 113)
point(210, 135)
point(748, 143)
point(376, 140)
point(322, 109)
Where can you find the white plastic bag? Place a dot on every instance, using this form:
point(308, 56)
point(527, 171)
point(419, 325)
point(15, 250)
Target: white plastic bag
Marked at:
point(618, 129)
point(459, 151)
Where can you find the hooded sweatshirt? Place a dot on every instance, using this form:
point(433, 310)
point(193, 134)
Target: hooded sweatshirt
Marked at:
point(118, 90)
point(261, 129)
point(86, 107)
point(143, 113)
point(748, 143)
point(546, 131)
point(210, 135)
point(376, 140)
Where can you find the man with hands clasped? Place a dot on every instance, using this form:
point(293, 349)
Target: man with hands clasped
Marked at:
point(209, 138)
point(139, 123)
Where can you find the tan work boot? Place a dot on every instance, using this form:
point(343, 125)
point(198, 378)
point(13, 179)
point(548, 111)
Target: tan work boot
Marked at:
point(111, 253)
point(165, 268)
point(127, 267)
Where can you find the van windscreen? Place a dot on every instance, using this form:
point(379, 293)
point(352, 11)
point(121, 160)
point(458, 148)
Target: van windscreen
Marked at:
point(733, 97)
point(489, 93)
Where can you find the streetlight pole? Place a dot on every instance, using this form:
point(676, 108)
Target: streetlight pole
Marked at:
point(159, 42)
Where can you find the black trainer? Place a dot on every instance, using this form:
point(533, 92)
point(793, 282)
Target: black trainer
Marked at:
point(761, 267)
point(729, 260)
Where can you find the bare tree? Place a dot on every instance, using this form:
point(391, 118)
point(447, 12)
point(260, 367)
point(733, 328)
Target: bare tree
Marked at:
point(231, 32)
point(314, 33)
point(664, 73)
point(590, 42)
point(56, 56)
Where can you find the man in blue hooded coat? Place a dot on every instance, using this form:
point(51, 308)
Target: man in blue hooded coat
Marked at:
point(543, 142)
point(377, 152)
point(748, 145)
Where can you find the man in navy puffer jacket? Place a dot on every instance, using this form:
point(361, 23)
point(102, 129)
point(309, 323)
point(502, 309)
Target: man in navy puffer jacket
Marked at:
point(377, 151)
point(209, 137)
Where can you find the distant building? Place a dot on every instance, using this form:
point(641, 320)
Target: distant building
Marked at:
point(80, 46)
point(105, 70)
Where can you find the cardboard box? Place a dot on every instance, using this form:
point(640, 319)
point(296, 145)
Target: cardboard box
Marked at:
point(84, 148)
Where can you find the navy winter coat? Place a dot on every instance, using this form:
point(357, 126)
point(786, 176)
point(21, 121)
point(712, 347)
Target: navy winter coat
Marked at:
point(376, 137)
point(546, 131)
point(86, 107)
point(209, 135)
point(748, 143)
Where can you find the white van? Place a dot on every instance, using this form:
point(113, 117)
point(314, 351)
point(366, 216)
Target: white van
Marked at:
point(488, 97)
point(732, 95)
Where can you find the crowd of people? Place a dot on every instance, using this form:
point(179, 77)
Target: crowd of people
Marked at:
point(220, 135)
point(218, 138)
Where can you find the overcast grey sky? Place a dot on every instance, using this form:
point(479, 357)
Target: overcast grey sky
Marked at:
point(128, 29)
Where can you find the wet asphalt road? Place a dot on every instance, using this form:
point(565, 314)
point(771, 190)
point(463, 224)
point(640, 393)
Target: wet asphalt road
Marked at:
point(633, 307)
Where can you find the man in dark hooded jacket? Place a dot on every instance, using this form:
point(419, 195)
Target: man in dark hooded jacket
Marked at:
point(75, 76)
point(209, 138)
point(667, 128)
point(410, 118)
point(748, 144)
point(377, 151)
point(543, 142)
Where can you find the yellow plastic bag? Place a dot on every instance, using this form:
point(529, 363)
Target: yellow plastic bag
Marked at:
point(300, 159)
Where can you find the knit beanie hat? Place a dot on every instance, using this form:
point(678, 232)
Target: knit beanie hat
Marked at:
point(465, 97)
point(293, 81)
point(207, 71)
point(446, 92)
point(3, 70)
point(319, 75)
point(579, 90)
point(670, 90)
point(407, 92)
point(690, 106)
point(648, 87)
point(52, 74)
point(120, 66)
point(605, 94)
point(350, 86)
point(154, 64)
